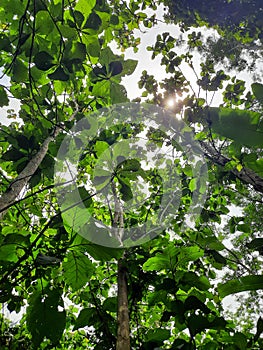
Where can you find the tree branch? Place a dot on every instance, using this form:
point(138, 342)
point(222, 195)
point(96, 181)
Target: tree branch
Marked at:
point(246, 175)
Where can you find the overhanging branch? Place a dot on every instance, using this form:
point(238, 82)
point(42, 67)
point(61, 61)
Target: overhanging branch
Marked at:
point(246, 175)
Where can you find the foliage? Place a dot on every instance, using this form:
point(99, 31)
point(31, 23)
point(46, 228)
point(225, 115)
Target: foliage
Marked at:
point(238, 24)
point(61, 65)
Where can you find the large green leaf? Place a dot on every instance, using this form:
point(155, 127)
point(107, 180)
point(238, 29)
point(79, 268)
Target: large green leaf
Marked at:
point(20, 72)
point(43, 60)
point(158, 334)
point(43, 317)
point(85, 7)
point(77, 269)
point(162, 260)
point(107, 56)
point(171, 257)
point(251, 282)
point(99, 252)
point(257, 89)
point(12, 154)
point(93, 22)
point(118, 93)
point(8, 252)
point(242, 126)
point(59, 74)
point(199, 323)
point(259, 328)
point(129, 66)
point(85, 318)
point(255, 244)
point(189, 254)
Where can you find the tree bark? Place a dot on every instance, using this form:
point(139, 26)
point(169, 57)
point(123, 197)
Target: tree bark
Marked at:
point(123, 332)
point(22, 179)
point(123, 321)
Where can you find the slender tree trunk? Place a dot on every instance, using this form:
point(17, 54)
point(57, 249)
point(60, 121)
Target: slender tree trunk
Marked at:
point(123, 332)
point(22, 179)
point(123, 322)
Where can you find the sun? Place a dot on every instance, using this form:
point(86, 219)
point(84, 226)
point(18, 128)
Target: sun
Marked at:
point(170, 102)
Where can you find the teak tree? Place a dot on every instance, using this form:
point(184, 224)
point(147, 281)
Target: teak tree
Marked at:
point(164, 292)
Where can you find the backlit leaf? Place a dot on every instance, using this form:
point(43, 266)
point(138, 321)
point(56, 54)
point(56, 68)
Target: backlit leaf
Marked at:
point(3, 97)
point(251, 282)
point(77, 269)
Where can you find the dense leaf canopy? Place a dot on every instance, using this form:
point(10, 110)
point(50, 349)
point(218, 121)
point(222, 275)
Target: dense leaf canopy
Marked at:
point(62, 60)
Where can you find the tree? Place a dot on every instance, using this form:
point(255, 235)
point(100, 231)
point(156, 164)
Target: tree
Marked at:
point(163, 292)
point(238, 23)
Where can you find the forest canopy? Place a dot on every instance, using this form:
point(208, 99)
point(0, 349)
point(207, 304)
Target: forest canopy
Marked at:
point(125, 224)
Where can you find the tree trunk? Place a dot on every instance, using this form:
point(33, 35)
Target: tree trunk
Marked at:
point(123, 327)
point(123, 332)
point(22, 179)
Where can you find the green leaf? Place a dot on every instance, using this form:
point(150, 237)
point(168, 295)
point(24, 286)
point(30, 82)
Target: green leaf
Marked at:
point(192, 279)
point(20, 72)
point(158, 334)
point(23, 142)
point(93, 22)
point(129, 66)
point(189, 254)
point(8, 252)
point(43, 60)
point(162, 260)
point(125, 190)
point(218, 258)
point(85, 7)
point(241, 126)
point(12, 155)
point(85, 318)
point(240, 340)
point(255, 244)
point(114, 20)
point(43, 318)
point(77, 269)
point(100, 147)
point(192, 184)
point(78, 17)
point(110, 304)
point(3, 97)
point(35, 179)
point(101, 253)
point(259, 329)
point(59, 74)
point(115, 68)
point(107, 56)
point(102, 88)
point(85, 196)
point(257, 89)
point(197, 324)
point(5, 43)
point(256, 165)
point(77, 52)
point(118, 93)
point(92, 45)
point(251, 282)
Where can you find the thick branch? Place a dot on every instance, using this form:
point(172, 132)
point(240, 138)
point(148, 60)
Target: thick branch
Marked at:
point(246, 175)
point(22, 179)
